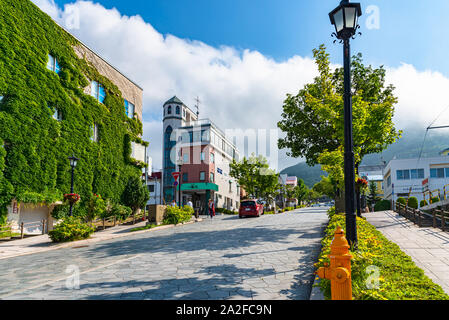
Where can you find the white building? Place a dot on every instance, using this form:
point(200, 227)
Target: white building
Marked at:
point(401, 176)
point(154, 185)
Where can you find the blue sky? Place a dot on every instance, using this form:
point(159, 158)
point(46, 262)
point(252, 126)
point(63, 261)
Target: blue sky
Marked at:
point(410, 31)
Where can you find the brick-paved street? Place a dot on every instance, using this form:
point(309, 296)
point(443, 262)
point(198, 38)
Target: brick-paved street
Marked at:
point(270, 257)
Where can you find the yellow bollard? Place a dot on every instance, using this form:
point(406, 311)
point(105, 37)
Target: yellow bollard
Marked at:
point(339, 271)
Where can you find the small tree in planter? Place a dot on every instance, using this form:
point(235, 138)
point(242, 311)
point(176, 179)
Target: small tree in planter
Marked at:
point(135, 194)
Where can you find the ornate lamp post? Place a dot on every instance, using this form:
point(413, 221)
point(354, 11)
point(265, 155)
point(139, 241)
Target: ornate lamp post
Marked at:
point(73, 161)
point(345, 19)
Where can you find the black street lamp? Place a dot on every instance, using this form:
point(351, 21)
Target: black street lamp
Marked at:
point(73, 162)
point(345, 19)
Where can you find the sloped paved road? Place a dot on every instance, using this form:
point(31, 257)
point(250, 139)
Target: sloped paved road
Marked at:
point(270, 257)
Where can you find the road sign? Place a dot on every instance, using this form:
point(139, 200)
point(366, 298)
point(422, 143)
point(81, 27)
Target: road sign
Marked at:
point(175, 183)
point(175, 175)
point(425, 184)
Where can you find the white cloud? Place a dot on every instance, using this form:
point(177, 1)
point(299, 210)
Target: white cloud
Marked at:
point(423, 96)
point(238, 89)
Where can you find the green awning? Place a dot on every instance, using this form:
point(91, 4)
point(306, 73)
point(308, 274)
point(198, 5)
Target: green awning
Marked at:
point(199, 186)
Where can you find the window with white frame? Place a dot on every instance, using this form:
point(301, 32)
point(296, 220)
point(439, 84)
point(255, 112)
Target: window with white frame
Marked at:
point(53, 64)
point(98, 91)
point(129, 109)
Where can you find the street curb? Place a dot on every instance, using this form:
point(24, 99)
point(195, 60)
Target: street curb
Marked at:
point(316, 293)
point(98, 239)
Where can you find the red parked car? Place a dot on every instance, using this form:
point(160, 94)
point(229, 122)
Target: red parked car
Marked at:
point(251, 207)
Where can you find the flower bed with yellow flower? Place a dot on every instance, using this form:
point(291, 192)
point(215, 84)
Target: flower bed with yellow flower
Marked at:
point(380, 270)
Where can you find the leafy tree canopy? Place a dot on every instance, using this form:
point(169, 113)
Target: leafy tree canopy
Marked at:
point(255, 176)
point(313, 119)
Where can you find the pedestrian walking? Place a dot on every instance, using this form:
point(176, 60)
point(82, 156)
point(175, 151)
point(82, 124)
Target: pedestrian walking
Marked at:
point(189, 203)
point(211, 208)
point(173, 203)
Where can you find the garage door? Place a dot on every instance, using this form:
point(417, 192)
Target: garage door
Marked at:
point(32, 219)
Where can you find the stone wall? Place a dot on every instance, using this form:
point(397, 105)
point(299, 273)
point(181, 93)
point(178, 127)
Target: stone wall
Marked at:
point(130, 91)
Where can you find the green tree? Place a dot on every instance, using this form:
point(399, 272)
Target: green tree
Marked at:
point(301, 191)
point(313, 119)
point(325, 187)
point(135, 195)
point(255, 176)
point(372, 193)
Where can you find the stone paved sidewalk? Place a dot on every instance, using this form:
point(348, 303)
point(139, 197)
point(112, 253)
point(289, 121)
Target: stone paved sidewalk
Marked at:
point(37, 244)
point(428, 247)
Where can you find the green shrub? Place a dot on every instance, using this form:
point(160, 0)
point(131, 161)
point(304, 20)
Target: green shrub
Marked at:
point(226, 211)
point(382, 205)
point(71, 229)
point(399, 277)
point(175, 215)
point(435, 199)
point(413, 202)
point(96, 207)
point(423, 203)
point(331, 212)
point(120, 212)
point(401, 201)
point(219, 210)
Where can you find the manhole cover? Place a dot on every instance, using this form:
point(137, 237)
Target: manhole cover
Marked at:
point(79, 247)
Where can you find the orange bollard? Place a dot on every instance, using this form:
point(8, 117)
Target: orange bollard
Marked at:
point(339, 272)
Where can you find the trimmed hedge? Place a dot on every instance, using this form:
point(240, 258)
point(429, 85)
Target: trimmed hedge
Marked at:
point(423, 203)
point(402, 201)
point(399, 277)
point(413, 202)
point(382, 205)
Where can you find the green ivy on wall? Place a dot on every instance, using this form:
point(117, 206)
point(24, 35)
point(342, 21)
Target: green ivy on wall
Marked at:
point(33, 145)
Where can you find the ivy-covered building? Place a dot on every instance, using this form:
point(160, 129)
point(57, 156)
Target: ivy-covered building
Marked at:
point(59, 98)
